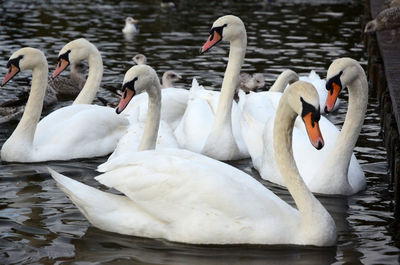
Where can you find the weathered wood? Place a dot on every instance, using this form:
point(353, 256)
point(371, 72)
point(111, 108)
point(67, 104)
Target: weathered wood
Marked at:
point(384, 76)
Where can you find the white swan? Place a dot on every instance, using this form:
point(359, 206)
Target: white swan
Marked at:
point(140, 136)
point(75, 131)
point(207, 128)
point(75, 52)
point(130, 26)
point(333, 170)
point(187, 197)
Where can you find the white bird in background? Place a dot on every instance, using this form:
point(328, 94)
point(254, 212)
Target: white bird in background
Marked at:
point(130, 26)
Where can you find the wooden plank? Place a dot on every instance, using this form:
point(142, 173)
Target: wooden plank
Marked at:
point(390, 52)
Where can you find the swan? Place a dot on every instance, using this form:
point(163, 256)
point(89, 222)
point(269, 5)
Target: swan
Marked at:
point(211, 122)
point(130, 26)
point(187, 197)
point(140, 136)
point(73, 53)
point(76, 131)
point(169, 77)
point(333, 170)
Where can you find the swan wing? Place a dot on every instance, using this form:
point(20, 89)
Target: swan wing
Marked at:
point(193, 191)
point(79, 131)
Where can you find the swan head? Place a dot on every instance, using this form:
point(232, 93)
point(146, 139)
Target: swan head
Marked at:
point(341, 72)
point(140, 59)
point(137, 79)
point(304, 100)
point(73, 53)
point(24, 59)
point(225, 28)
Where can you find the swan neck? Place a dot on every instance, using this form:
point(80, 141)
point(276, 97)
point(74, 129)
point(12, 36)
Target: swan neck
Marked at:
point(309, 207)
point(282, 82)
point(150, 133)
point(92, 84)
point(347, 139)
point(27, 126)
point(231, 80)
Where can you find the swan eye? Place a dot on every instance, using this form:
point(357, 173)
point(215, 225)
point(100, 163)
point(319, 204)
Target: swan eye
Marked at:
point(14, 62)
point(308, 108)
point(64, 56)
point(334, 82)
point(129, 85)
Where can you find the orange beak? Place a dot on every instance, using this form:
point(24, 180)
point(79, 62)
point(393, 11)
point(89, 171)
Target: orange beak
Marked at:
point(332, 97)
point(12, 71)
point(126, 97)
point(313, 131)
point(62, 64)
point(214, 38)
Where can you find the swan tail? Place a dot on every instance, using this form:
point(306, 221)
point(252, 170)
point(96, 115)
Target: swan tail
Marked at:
point(78, 192)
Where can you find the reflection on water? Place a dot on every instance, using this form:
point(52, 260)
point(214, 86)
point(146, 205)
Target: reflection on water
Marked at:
point(38, 224)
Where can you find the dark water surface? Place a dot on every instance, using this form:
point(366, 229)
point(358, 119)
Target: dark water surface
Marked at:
point(39, 224)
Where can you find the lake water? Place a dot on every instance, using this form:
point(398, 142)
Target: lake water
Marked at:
point(39, 224)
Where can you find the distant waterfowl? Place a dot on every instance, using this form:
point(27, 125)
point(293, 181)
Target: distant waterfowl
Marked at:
point(169, 78)
point(187, 197)
point(68, 88)
point(130, 26)
point(211, 123)
point(76, 131)
point(140, 58)
point(169, 3)
point(385, 20)
point(249, 82)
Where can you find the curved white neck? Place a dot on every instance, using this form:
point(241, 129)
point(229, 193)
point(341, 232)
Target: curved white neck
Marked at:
point(314, 216)
point(223, 121)
point(339, 159)
point(89, 90)
point(283, 80)
point(150, 133)
point(25, 130)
